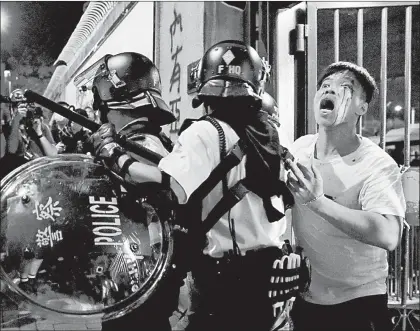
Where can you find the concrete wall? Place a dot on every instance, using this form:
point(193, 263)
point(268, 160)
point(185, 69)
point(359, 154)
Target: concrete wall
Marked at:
point(222, 22)
point(184, 30)
point(134, 34)
point(173, 35)
point(179, 42)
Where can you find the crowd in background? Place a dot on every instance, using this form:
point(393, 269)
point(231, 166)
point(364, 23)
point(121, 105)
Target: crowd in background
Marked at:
point(26, 133)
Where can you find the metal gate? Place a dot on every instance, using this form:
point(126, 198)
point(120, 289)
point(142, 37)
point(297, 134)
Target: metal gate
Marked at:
point(382, 37)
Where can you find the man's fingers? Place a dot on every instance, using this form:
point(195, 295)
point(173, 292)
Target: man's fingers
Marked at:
point(315, 170)
point(296, 188)
point(293, 185)
point(295, 170)
point(305, 171)
point(291, 175)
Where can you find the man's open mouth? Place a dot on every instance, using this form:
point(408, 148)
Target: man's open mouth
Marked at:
point(327, 104)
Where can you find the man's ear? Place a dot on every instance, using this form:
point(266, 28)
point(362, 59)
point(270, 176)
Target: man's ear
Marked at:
point(363, 109)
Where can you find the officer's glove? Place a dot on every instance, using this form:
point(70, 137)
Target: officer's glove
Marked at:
point(104, 140)
point(106, 148)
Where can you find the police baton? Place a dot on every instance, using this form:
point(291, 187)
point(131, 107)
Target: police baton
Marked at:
point(90, 125)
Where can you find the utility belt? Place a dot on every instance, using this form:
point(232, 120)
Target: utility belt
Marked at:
point(264, 269)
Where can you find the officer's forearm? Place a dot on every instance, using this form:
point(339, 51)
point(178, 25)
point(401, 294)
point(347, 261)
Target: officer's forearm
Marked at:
point(140, 172)
point(367, 227)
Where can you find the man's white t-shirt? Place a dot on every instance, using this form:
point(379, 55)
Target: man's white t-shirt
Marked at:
point(195, 155)
point(344, 268)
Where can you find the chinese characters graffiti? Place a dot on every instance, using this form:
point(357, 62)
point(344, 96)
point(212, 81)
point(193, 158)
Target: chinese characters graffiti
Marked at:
point(176, 70)
point(175, 80)
point(175, 110)
point(48, 211)
point(48, 237)
point(172, 29)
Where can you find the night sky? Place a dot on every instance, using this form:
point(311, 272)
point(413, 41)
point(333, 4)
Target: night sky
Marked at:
point(45, 26)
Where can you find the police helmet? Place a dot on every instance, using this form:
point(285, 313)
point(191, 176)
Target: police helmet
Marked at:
point(231, 68)
point(130, 81)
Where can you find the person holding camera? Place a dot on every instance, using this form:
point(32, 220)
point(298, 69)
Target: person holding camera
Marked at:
point(29, 135)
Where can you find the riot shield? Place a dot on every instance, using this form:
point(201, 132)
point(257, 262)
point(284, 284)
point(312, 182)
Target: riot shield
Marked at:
point(75, 242)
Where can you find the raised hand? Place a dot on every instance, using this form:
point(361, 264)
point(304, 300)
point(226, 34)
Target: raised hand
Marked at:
point(305, 183)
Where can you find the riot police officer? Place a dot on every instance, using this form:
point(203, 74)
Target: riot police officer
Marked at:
point(233, 266)
point(131, 103)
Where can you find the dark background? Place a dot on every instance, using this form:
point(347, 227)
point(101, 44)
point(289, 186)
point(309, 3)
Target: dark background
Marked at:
point(35, 34)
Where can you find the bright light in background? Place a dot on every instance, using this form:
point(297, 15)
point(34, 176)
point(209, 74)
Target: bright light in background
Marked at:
point(398, 108)
point(4, 21)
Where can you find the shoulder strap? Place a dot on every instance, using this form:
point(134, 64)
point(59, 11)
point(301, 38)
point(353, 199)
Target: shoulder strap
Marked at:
point(228, 201)
point(230, 196)
point(233, 158)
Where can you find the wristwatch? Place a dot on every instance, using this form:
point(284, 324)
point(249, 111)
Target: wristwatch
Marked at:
point(40, 136)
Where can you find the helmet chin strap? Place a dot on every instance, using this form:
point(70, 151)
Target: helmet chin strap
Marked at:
point(103, 113)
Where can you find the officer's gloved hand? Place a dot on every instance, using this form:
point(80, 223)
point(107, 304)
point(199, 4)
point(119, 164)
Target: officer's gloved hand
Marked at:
point(105, 146)
point(104, 142)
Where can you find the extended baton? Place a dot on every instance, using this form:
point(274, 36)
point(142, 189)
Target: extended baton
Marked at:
point(92, 126)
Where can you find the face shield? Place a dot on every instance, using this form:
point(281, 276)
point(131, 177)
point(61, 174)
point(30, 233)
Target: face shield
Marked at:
point(84, 80)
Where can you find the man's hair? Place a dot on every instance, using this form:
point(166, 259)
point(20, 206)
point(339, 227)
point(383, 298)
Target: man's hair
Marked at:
point(362, 75)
